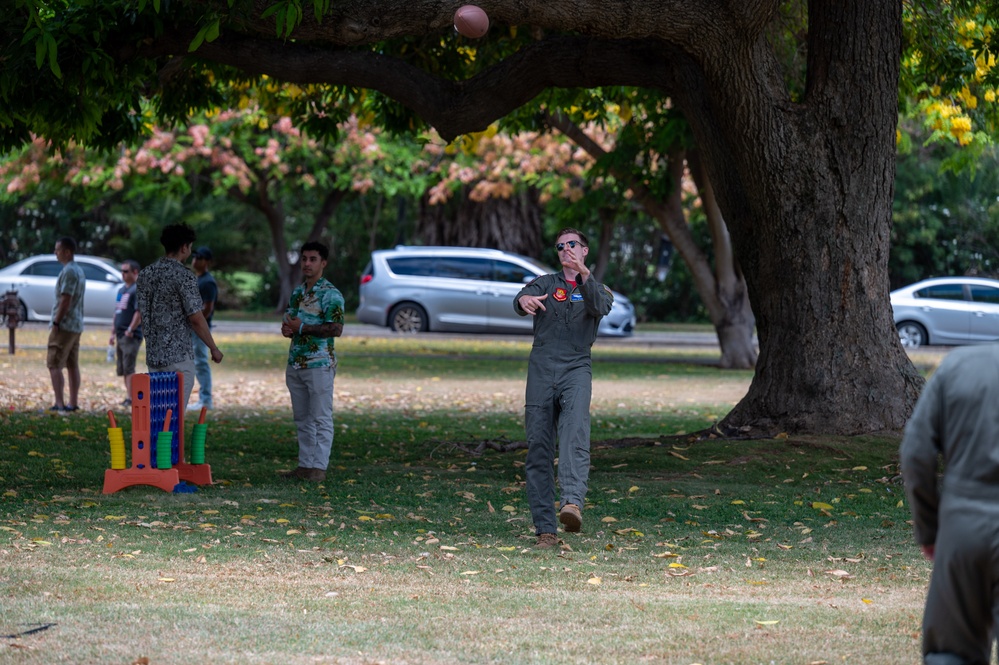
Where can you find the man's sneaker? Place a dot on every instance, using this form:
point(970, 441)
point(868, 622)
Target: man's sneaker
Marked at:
point(571, 517)
point(296, 473)
point(546, 541)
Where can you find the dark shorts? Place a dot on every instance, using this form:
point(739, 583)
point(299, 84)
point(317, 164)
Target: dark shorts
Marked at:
point(128, 351)
point(64, 349)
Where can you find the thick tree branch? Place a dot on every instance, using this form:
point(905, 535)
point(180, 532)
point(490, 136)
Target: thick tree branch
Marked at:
point(360, 22)
point(452, 107)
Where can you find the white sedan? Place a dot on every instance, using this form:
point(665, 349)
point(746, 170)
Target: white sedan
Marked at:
point(34, 280)
point(947, 311)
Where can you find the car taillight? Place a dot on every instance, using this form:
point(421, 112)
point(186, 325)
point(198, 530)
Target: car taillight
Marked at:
point(366, 278)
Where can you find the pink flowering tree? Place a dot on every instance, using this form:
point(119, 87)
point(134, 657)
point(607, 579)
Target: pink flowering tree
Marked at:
point(294, 183)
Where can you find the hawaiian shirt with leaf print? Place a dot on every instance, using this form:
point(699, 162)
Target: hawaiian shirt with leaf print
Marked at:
point(323, 303)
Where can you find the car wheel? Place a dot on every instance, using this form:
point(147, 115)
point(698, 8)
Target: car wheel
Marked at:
point(408, 318)
point(912, 335)
point(22, 311)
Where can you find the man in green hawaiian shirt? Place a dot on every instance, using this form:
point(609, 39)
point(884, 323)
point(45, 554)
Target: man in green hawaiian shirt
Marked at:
point(313, 318)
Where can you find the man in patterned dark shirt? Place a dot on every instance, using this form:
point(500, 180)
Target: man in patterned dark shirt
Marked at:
point(314, 317)
point(170, 306)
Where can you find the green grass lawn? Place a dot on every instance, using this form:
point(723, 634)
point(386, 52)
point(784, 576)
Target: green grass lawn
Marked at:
point(417, 548)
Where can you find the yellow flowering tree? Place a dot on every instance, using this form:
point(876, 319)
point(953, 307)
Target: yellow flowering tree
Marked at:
point(949, 82)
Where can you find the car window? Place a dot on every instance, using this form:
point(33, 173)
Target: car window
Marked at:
point(512, 273)
point(942, 292)
point(985, 294)
point(412, 265)
point(95, 272)
point(458, 267)
point(44, 269)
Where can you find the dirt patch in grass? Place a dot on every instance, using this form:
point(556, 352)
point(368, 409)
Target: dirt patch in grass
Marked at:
point(25, 385)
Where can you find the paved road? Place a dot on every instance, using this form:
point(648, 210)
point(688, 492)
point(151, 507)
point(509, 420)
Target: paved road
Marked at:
point(639, 339)
point(690, 339)
point(366, 330)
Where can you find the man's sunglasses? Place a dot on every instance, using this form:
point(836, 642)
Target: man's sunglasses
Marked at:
point(572, 245)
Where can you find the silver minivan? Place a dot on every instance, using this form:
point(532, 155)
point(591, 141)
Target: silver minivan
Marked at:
point(459, 289)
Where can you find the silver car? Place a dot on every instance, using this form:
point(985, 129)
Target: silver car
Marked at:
point(459, 289)
point(947, 311)
point(34, 280)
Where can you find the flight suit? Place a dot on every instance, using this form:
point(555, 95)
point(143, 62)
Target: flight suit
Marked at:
point(957, 418)
point(559, 382)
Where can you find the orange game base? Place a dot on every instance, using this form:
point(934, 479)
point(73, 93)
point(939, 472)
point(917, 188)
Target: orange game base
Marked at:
point(198, 474)
point(117, 479)
point(141, 471)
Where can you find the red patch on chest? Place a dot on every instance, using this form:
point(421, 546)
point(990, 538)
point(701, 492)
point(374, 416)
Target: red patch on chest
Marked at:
point(560, 294)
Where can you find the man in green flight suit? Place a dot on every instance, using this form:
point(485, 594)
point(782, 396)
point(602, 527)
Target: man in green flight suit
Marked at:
point(955, 519)
point(567, 307)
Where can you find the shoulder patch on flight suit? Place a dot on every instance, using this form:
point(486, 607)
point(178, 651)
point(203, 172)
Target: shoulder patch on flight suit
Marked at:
point(577, 297)
point(560, 294)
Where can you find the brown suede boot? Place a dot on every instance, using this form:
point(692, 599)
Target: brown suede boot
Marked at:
point(546, 541)
point(571, 518)
point(315, 475)
point(294, 474)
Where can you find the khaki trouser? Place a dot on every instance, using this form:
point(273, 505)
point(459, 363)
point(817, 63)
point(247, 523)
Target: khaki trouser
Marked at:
point(312, 408)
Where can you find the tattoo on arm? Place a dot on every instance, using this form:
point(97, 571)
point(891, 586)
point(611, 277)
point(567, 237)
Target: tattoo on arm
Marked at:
point(328, 329)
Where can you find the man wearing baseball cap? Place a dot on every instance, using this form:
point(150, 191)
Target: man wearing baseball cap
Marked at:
point(201, 260)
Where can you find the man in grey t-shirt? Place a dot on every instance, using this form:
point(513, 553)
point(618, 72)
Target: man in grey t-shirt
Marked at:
point(170, 307)
point(67, 327)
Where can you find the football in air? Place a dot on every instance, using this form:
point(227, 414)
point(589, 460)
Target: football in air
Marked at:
point(471, 21)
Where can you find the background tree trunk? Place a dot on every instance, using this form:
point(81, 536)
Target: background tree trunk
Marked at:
point(512, 224)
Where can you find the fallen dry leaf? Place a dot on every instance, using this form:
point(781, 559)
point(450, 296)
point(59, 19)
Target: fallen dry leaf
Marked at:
point(841, 574)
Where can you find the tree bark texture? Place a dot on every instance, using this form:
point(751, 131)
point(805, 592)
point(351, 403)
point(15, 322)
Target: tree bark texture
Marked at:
point(804, 185)
point(512, 224)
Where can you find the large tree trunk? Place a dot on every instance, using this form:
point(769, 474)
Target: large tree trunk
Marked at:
point(807, 191)
point(511, 224)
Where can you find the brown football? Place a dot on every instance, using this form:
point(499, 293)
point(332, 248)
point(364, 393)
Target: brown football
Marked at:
point(471, 21)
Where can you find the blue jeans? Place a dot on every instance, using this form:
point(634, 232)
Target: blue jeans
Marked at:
point(203, 370)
